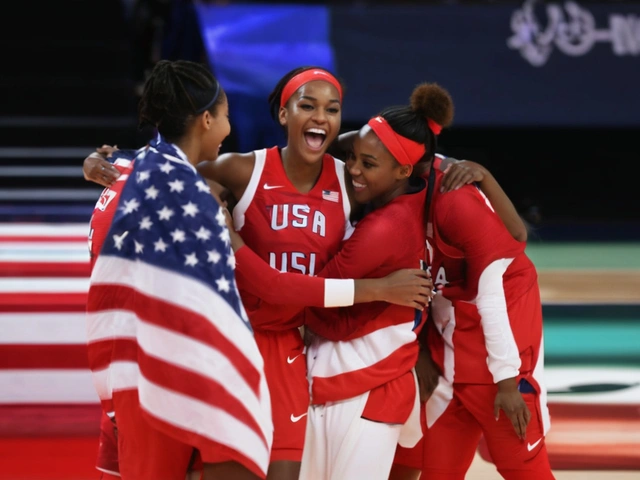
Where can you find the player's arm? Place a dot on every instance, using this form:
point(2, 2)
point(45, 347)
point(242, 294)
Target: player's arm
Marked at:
point(462, 172)
point(230, 170)
point(488, 252)
point(406, 287)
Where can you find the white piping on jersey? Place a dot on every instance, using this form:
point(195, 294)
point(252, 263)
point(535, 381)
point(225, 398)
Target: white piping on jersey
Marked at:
point(503, 357)
point(538, 375)
point(247, 197)
point(346, 204)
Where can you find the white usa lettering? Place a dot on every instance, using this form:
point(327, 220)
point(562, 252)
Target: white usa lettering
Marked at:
point(298, 216)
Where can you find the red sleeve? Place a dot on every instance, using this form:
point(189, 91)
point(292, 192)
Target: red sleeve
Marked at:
point(374, 243)
point(256, 277)
point(466, 220)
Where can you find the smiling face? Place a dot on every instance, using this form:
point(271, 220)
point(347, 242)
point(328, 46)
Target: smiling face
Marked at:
point(312, 118)
point(376, 176)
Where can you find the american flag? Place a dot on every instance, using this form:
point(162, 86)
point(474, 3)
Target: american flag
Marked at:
point(331, 196)
point(165, 317)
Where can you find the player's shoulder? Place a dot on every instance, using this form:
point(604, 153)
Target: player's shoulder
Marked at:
point(467, 196)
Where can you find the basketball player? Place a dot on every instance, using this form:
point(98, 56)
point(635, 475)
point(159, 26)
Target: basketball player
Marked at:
point(486, 342)
point(105, 208)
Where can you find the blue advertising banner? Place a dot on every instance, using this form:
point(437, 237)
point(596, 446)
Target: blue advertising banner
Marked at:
point(534, 64)
point(528, 64)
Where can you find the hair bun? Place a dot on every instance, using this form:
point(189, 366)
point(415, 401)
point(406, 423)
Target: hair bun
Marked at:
point(432, 101)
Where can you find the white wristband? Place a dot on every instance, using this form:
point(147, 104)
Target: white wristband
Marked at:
point(339, 293)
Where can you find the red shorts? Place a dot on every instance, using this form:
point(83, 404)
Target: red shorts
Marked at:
point(448, 447)
point(285, 369)
point(107, 461)
point(145, 453)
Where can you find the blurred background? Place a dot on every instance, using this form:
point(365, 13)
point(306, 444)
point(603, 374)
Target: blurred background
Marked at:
point(547, 97)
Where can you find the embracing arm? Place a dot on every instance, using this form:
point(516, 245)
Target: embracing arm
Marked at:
point(461, 172)
point(230, 170)
point(488, 254)
point(408, 287)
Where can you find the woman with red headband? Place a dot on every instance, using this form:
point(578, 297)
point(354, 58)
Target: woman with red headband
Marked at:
point(364, 394)
point(485, 339)
point(293, 211)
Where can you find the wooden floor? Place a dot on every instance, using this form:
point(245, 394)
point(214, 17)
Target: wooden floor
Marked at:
point(482, 470)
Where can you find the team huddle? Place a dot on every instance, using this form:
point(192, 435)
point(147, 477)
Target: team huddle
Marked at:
point(292, 314)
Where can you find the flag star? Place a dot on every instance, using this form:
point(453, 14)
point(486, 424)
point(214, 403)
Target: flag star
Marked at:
point(225, 236)
point(167, 167)
point(165, 213)
point(231, 260)
point(202, 187)
point(178, 236)
point(213, 256)
point(130, 206)
point(191, 259)
point(119, 239)
point(151, 193)
point(190, 209)
point(220, 217)
point(223, 284)
point(160, 246)
point(142, 176)
point(176, 186)
point(139, 246)
point(203, 234)
point(145, 223)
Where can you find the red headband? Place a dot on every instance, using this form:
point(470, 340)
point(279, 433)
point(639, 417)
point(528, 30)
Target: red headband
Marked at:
point(305, 77)
point(404, 150)
point(435, 128)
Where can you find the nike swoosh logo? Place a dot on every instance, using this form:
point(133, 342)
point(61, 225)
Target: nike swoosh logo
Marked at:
point(531, 447)
point(291, 360)
point(297, 419)
point(266, 186)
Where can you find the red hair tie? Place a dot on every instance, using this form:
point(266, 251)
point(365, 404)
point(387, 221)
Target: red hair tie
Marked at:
point(404, 150)
point(305, 77)
point(435, 128)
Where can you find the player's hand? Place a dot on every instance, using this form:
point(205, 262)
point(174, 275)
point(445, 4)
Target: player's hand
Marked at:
point(409, 287)
point(461, 172)
point(428, 374)
point(96, 168)
point(510, 401)
point(107, 150)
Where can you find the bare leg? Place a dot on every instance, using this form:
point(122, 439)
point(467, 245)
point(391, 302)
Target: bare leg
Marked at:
point(227, 470)
point(283, 470)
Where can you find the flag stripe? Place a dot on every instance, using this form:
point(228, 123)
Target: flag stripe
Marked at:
point(46, 386)
point(155, 310)
point(192, 416)
point(45, 269)
point(47, 239)
point(43, 302)
point(44, 356)
point(43, 328)
point(112, 350)
point(198, 387)
point(162, 296)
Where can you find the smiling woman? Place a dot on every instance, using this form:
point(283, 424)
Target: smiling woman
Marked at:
point(283, 215)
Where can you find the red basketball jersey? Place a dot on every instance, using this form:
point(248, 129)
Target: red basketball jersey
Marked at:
point(292, 231)
point(105, 209)
point(468, 244)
